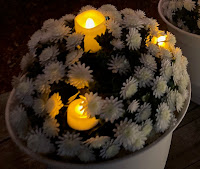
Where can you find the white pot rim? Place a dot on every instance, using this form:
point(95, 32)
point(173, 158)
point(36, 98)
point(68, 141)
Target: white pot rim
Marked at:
point(52, 162)
point(160, 11)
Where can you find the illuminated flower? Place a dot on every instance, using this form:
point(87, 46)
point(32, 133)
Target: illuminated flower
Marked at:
point(74, 40)
point(69, 144)
point(73, 57)
point(119, 64)
point(144, 112)
point(80, 76)
point(189, 5)
point(39, 143)
point(129, 88)
point(148, 61)
point(159, 87)
point(112, 109)
point(53, 105)
point(165, 53)
point(133, 39)
point(166, 69)
point(50, 127)
point(133, 106)
point(153, 48)
point(163, 117)
point(92, 104)
point(97, 142)
point(41, 84)
point(118, 44)
point(109, 150)
point(170, 38)
point(54, 72)
point(26, 61)
point(39, 107)
point(114, 28)
point(86, 8)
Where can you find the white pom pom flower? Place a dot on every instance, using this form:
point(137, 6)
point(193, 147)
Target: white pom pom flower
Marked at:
point(166, 69)
point(41, 84)
point(179, 101)
point(50, 127)
point(53, 105)
point(159, 87)
point(73, 57)
point(114, 28)
point(189, 5)
point(69, 144)
point(86, 8)
point(74, 40)
point(34, 40)
point(148, 61)
point(133, 39)
point(86, 155)
point(163, 117)
point(80, 76)
point(39, 107)
point(118, 44)
point(136, 23)
point(67, 18)
point(112, 109)
point(171, 99)
point(129, 88)
point(119, 64)
point(97, 142)
point(144, 112)
point(133, 106)
point(147, 127)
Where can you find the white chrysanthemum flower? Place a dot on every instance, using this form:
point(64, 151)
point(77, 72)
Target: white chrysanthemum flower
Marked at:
point(112, 109)
point(109, 150)
point(141, 14)
point(159, 87)
point(171, 100)
point(133, 39)
point(119, 64)
point(144, 112)
point(166, 69)
point(170, 38)
point(86, 8)
point(177, 72)
point(48, 53)
point(80, 76)
point(92, 104)
point(74, 40)
point(39, 107)
point(67, 18)
point(86, 155)
point(127, 11)
point(189, 5)
point(179, 4)
point(129, 135)
point(19, 120)
point(41, 84)
point(133, 106)
point(173, 121)
point(164, 53)
point(144, 76)
point(34, 40)
point(129, 88)
point(50, 127)
point(69, 144)
point(54, 72)
point(53, 105)
point(133, 21)
point(73, 57)
point(114, 28)
point(118, 44)
point(147, 127)
point(179, 101)
point(97, 142)
point(172, 6)
point(148, 61)
point(48, 24)
point(16, 80)
point(163, 117)
point(39, 143)
point(26, 61)
point(153, 49)
point(108, 7)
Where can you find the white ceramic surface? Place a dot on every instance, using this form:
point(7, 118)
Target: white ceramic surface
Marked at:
point(190, 45)
point(153, 156)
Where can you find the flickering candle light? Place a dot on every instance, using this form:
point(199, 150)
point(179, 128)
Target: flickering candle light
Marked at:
point(90, 23)
point(161, 41)
point(77, 119)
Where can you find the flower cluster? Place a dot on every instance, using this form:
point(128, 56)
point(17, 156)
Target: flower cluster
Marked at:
point(184, 14)
point(133, 85)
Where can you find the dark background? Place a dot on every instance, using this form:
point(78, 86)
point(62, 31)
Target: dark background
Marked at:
point(19, 19)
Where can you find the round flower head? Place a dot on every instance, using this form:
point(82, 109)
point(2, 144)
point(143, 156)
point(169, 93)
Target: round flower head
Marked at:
point(129, 88)
point(112, 109)
point(19, 120)
point(148, 61)
point(54, 72)
point(79, 75)
point(133, 39)
point(189, 5)
point(114, 28)
point(92, 104)
point(171, 99)
point(166, 69)
point(140, 14)
point(133, 21)
point(26, 61)
point(159, 87)
point(119, 64)
point(86, 8)
point(39, 143)
point(144, 76)
point(165, 53)
point(163, 117)
point(86, 155)
point(133, 106)
point(67, 18)
point(41, 84)
point(73, 57)
point(179, 101)
point(97, 142)
point(74, 40)
point(147, 127)
point(152, 48)
point(53, 105)
point(69, 144)
point(109, 150)
point(118, 44)
point(39, 107)
point(144, 112)
point(50, 127)
point(34, 40)
point(127, 11)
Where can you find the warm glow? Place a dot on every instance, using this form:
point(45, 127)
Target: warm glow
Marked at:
point(89, 23)
point(80, 111)
point(161, 41)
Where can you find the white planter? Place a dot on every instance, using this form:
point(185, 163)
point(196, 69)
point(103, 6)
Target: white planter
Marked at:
point(190, 45)
point(153, 156)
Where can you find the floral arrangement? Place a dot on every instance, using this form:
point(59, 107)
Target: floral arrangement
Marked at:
point(135, 86)
point(184, 14)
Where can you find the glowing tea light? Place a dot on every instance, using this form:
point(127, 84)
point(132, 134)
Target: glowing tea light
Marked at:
point(77, 119)
point(161, 41)
point(90, 23)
